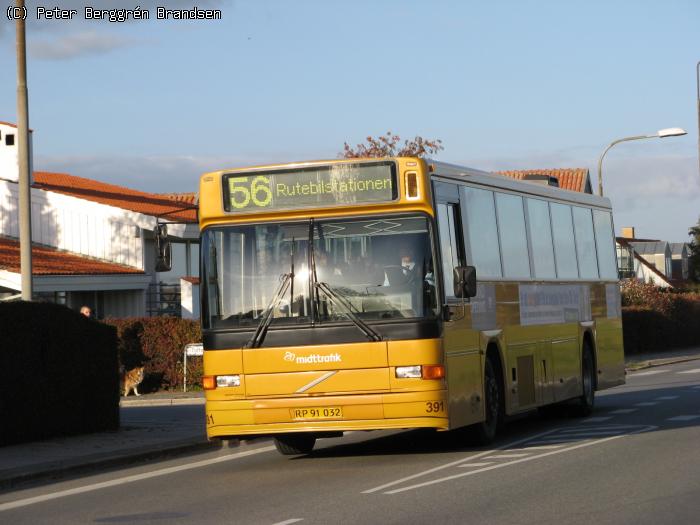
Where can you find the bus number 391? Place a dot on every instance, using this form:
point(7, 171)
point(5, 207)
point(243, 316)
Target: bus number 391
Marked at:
point(434, 406)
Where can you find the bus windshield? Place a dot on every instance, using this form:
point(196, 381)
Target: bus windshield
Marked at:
point(320, 271)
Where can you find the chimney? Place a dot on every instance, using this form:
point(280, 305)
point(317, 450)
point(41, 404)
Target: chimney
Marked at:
point(539, 178)
point(628, 232)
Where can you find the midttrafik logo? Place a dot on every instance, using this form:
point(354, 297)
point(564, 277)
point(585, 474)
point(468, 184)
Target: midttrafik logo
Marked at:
point(313, 358)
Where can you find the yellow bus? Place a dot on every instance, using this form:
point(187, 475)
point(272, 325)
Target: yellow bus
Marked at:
point(393, 293)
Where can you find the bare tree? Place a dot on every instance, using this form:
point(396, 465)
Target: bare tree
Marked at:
point(389, 145)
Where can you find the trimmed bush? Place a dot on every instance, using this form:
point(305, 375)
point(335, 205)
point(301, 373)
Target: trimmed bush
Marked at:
point(158, 344)
point(643, 329)
point(58, 373)
point(637, 293)
point(656, 320)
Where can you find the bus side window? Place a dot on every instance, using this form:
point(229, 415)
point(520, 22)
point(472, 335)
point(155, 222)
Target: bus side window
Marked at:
point(451, 249)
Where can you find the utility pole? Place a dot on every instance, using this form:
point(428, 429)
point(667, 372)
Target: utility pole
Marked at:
point(697, 87)
point(25, 196)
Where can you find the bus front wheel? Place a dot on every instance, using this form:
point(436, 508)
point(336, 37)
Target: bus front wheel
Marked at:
point(485, 432)
point(294, 444)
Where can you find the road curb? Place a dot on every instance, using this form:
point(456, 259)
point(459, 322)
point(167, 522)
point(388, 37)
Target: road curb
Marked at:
point(12, 478)
point(161, 402)
point(642, 365)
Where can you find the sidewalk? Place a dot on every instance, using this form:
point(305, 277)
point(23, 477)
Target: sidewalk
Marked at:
point(641, 361)
point(161, 425)
point(152, 425)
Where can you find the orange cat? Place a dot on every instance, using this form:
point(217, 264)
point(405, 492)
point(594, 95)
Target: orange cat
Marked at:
point(131, 379)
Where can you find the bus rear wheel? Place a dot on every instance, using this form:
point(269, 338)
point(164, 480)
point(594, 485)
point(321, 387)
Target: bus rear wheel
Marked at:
point(485, 432)
point(295, 444)
point(585, 403)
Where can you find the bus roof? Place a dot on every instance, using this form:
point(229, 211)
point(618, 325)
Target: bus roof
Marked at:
point(484, 178)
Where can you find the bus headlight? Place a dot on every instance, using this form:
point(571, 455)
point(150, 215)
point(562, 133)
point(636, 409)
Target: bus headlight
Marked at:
point(224, 381)
point(405, 372)
point(420, 371)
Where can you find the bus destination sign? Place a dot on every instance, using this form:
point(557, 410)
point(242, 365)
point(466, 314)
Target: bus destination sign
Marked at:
point(318, 186)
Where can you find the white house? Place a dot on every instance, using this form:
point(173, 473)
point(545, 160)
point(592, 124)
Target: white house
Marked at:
point(656, 253)
point(92, 242)
point(9, 152)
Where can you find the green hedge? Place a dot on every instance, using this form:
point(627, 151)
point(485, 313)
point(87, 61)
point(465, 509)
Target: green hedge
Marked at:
point(158, 344)
point(649, 329)
point(58, 373)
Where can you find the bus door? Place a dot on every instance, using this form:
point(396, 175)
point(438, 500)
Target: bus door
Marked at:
point(461, 343)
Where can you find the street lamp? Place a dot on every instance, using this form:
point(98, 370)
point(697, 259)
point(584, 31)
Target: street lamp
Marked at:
point(661, 134)
point(697, 86)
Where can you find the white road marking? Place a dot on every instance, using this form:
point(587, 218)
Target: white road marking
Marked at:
point(515, 461)
point(130, 479)
point(646, 404)
point(649, 373)
point(538, 441)
point(455, 463)
point(501, 456)
point(682, 418)
point(692, 371)
point(666, 398)
point(538, 447)
point(598, 419)
point(468, 465)
point(624, 411)
point(593, 429)
point(287, 522)
point(561, 440)
point(584, 433)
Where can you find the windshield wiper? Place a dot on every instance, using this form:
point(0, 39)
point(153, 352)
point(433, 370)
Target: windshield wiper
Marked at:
point(264, 324)
point(338, 300)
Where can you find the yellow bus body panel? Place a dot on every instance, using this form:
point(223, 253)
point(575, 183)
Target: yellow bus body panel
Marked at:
point(370, 397)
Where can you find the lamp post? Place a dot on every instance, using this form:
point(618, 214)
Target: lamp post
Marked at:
point(23, 165)
point(661, 134)
point(697, 86)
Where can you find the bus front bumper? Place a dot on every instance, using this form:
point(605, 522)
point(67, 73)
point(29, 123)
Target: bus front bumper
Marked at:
point(237, 418)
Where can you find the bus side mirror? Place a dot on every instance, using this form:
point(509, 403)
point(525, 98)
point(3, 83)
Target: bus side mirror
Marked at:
point(164, 250)
point(464, 280)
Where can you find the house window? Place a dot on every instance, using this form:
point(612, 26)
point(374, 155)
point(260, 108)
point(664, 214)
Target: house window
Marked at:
point(625, 262)
point(10, 139)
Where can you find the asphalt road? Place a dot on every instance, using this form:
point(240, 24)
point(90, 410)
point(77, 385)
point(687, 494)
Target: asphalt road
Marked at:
point(635, 460)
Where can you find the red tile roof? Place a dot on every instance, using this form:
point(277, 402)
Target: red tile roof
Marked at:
point(573, 179)
point(50, 261)
point(117, 196)
point(186, 198)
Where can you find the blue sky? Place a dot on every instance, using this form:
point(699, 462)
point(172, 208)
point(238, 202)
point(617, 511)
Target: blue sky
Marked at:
point(504, 84)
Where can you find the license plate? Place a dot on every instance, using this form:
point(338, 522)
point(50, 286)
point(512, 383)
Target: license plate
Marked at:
point(317, 413)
